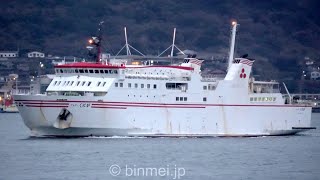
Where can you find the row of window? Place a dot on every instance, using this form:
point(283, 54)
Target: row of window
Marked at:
point(35, 55)
point(204, 99)
point(209, 87)
point(8, 55)
point(145, 73)
point(176, 86)
point(92, 71)
point(147, 77)
point(181, 98)
point(177, 98)
point(262, 99)
point(77, 83)
point(136, 85)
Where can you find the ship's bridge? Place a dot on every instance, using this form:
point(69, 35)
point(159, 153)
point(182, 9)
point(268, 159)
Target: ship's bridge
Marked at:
point(84, 78)
point(92, 69)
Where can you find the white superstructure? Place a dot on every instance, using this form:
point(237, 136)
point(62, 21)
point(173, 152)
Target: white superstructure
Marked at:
point(121, 99)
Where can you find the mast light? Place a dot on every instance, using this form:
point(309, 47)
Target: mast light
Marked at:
point(94, 41)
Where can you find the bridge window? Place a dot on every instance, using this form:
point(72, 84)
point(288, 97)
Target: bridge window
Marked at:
point(129, 85)
point(96, 71)
point(121, 84)
point(154, 86)
point(86, 71)
point(78, 83)
point(89, 83)
point(106, 71)
point(148, 86)
point(204, 87)
point(204, 99)
point(142, 85)
point(90, 70)
point(98, 84)
point(176, 86)
point(116, 84)
point(101, 71)
point(136, 85)
point(71, 83)
point(104, 83)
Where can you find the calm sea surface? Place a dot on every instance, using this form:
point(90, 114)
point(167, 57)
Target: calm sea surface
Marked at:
point(285, 157)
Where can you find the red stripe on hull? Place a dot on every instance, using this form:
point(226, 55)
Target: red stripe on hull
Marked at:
point(43, 103)
point(46, 106)
point(165, 106)
point(157, 104)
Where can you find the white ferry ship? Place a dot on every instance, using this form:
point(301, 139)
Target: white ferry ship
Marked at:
point(122, 99)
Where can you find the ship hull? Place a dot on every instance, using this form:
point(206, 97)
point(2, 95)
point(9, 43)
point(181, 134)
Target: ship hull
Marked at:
point(85, 116)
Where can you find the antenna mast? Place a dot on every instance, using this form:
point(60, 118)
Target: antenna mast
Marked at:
point(172, 46)
point(127, 45)
point(99, 42)
point(96, 41)
point(173, 40)
point(126, 38)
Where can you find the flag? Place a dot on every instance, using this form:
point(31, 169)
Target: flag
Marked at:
point(196, 61)
point(246, 61)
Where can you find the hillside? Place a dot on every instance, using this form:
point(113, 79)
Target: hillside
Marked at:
point(277, 33)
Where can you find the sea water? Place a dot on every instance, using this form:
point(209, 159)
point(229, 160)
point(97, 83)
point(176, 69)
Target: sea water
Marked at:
point(279, 157)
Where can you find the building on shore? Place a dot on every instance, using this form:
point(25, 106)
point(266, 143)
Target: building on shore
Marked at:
point(9, 54)
point(35, 54)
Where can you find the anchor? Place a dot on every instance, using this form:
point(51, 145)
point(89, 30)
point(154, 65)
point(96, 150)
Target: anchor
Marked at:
point(64, 119)
point(64, 115)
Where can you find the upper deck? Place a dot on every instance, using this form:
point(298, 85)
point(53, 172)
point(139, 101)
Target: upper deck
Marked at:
point(98, 77)
point(124, 71)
